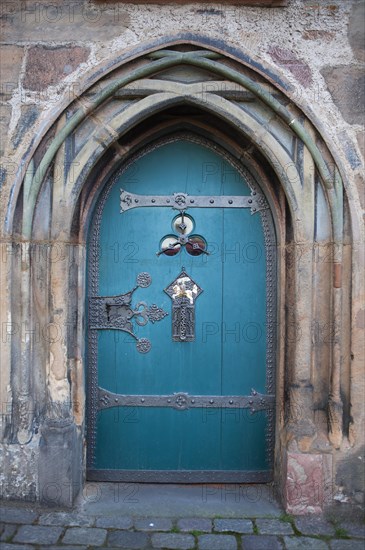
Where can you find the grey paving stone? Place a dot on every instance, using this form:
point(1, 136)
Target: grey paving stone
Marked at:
point(17, 515)
point(195, 524)
point(126, 539)
point(8, 531)
point(66, 519)
point(38, 534)
point(301, 543)
point(354, 529)
point(234, 525)
point(340, 544)
point(85, 535)
point(17, 547)
point(173, 540)
point(114, 522)
point(274, 527)
point(312, 525)
point(217, 542)
point(153, 524)
point(254, 542)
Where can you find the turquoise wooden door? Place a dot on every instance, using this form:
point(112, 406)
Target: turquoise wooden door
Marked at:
point(181, 321)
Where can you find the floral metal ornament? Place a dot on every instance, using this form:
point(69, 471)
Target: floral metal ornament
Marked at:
point(117, 312)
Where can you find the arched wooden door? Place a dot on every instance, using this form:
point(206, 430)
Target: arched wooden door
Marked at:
point(181, 321)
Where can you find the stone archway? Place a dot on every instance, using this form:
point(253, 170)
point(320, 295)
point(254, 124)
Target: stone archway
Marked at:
point(150, 96)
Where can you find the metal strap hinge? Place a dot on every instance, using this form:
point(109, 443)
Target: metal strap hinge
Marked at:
point(182, 401)
point(183, 201)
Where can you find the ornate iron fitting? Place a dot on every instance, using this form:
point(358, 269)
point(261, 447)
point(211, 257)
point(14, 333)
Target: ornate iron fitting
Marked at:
point(143, 345)
point(117, 312)
point(183, 292)
point(144, 279)
point(182, 401)
point(255, 201)
point(195, 244)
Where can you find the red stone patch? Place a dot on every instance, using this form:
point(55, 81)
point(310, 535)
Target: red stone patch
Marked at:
point(298, 68)
point(304, 491)
point(48, 66)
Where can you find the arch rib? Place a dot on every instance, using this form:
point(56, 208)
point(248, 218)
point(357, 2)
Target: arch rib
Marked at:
point(165, 60)
point(277, 156)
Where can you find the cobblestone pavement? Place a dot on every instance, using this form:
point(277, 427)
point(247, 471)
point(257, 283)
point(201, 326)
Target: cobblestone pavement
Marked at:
point(28, 528)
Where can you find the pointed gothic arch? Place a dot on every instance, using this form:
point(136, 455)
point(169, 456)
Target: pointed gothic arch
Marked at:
point(158, 92)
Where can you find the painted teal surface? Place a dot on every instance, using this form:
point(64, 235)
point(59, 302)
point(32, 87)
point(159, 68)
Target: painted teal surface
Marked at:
point(229, 353)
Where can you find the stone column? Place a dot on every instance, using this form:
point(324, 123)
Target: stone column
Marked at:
point(60, 464)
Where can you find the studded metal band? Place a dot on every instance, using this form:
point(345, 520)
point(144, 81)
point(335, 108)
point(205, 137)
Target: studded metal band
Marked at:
point(182, 401)
point(183, 201)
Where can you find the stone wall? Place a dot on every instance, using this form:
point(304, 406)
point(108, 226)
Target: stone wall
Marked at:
point(51, 53)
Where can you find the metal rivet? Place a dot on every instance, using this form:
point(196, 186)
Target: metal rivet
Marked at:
point(193, 401)
point(167, 200)
point(230, 202)
point(211, 201)
point(136, 200)
point(250, 402)
point(230, 402)
point(249, 201)
point(142, 400)
point(153, 200)
point(192, 201)
point(211, 401)
point(169, 400)
point(116, 400)
point(254, 210)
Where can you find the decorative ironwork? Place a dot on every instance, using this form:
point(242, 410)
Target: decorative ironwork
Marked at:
point(182, 401)
point(196, 243)
point(144, 279)
point(116, 312)
point(155, 313)
point(183, 292)
point(178, 201)
point(143, 345)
